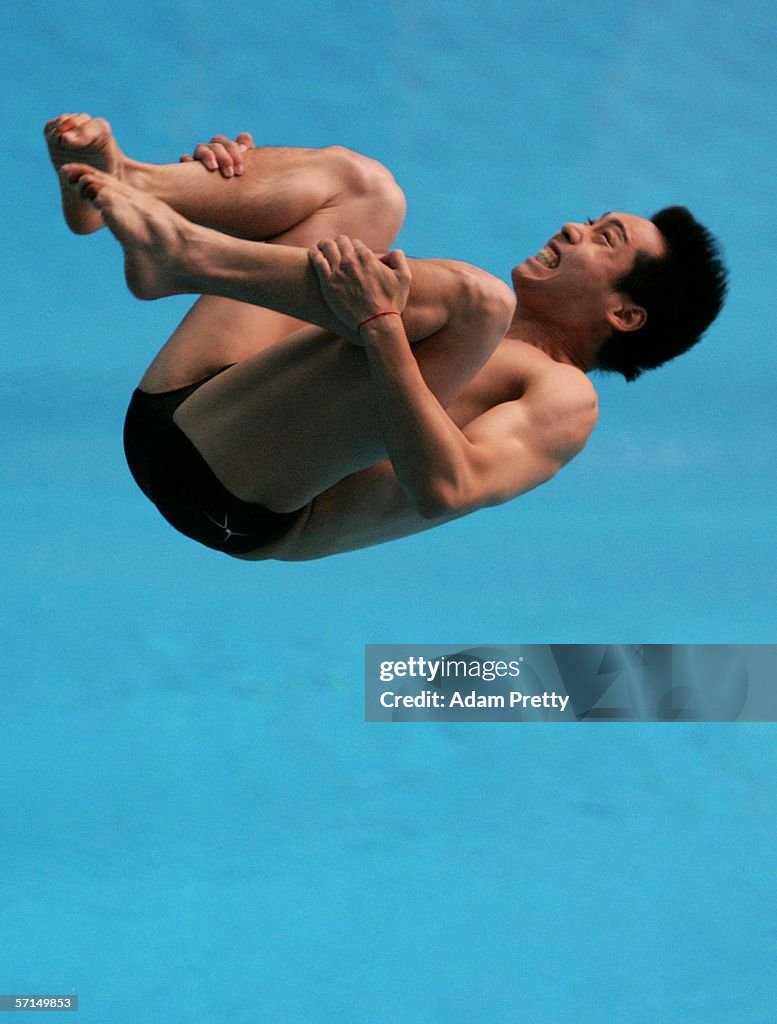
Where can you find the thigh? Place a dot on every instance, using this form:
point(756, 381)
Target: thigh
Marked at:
point(280, 426)
point(215, 333)
point(286, 424)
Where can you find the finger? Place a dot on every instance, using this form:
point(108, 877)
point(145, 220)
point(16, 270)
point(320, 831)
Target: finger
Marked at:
point(82, 179)
point(234, 150)
point(397, 261)
point(224, 157)
point(89, 187)
point(330, 250)
point(205, 155)
point(230, 154)
point(245, 140)
point(364, 253)
point(346, 247)
point(186, 159)
point(320, 264)
point(215, 158)
point(72, 172)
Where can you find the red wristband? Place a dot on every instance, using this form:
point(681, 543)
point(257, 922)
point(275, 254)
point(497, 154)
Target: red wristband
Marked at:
point(387, 312)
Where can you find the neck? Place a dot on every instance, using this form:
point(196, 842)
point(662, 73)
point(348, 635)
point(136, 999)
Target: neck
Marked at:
point(577, 348)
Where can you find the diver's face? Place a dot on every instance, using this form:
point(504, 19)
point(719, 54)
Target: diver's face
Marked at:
point(574, 276)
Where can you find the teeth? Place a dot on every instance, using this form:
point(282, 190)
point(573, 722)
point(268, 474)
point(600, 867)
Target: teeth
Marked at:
point(548, 258)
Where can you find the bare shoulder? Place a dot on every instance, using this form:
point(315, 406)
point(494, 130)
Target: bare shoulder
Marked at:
point(521, 443)
point(563, 406)
point(554, 416)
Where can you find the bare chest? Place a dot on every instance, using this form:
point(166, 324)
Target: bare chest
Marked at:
point(504, 378)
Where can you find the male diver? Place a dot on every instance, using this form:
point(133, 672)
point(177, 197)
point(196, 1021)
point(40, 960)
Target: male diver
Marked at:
point(322, 396)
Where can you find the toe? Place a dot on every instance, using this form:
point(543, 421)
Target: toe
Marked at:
point(64, 123)
point(84, 132)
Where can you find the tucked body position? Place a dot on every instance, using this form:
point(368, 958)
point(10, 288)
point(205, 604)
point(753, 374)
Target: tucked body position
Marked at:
point(326, 393)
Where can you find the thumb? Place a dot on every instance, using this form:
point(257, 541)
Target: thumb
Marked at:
point(397, 261)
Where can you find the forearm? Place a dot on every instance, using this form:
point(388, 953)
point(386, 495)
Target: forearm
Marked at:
point(430, 455)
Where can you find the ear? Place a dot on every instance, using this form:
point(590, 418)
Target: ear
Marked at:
point(625, 315)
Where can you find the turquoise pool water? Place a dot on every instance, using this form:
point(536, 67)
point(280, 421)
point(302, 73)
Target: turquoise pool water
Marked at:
point(197, 823)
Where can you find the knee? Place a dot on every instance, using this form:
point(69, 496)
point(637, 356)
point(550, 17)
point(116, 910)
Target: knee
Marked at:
point(362, 177)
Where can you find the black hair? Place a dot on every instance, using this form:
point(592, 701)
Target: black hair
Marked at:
point(682, 293)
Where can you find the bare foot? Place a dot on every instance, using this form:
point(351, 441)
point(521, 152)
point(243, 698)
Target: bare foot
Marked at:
point(159, 244)
point(88, 140)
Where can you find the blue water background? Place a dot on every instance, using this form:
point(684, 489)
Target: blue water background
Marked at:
point(196, 823)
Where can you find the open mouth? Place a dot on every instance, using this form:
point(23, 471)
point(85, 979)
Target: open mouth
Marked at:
point(549, 256)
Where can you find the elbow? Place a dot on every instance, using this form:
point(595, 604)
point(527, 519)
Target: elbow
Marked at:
point(452, 492)
point(441, 502)
point(429, 508)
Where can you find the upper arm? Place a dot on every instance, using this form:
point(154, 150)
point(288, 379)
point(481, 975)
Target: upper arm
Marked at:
point(521, 444)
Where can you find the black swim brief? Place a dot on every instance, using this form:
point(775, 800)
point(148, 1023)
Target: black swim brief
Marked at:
point(171, 472)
